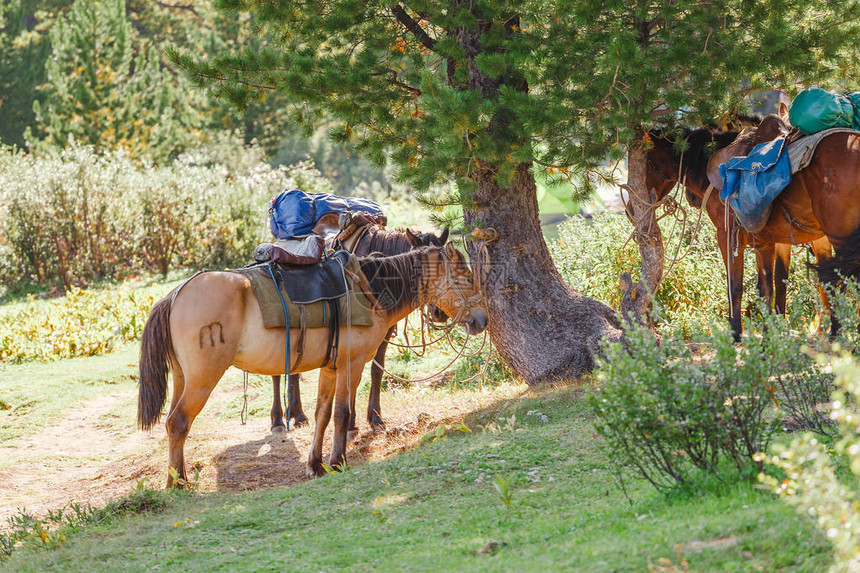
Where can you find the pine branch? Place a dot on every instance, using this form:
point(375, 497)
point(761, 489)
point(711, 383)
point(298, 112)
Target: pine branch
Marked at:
point(398, 12)
point(189, 7)
point(398, 83)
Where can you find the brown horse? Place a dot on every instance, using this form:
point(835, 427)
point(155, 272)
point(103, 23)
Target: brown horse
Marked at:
point(772, 246)
point(224, 303)
point(373, 240)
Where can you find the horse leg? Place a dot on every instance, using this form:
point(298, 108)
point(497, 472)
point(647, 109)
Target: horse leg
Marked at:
point(764, 257)
point(182, 414)
point(782, 258)
point(325, 397)
point(374, 409)
point(347, 385)
point(277, 416)
point(735, 276)
point(178, 384)
point(294, 395)
point(823, 251)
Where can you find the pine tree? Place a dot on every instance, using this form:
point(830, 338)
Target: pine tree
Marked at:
point(105, 86)
point(482, 93)
point(24, 47)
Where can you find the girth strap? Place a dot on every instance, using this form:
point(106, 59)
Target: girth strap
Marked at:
point(287, 340)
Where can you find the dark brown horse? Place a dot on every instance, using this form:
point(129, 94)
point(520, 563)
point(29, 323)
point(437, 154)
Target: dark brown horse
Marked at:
point(373, 240)
point(224, 302)
point(772, 245)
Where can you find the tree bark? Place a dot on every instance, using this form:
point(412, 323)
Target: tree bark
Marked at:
point(636, 299)
point(543, 329)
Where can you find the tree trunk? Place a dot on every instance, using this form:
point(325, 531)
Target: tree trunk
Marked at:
point(543, 329)
point(641, 208)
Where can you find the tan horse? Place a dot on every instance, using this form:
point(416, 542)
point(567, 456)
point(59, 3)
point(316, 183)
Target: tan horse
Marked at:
point(214, 321)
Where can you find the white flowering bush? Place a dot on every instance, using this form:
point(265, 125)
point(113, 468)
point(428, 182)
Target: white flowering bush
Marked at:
point(814, 480)
point(72, 216)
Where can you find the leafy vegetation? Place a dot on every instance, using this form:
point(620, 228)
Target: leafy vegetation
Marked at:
point(813, 482)
point(29, 532)
point(74, 216)
point(667, 411)
point(591, 253)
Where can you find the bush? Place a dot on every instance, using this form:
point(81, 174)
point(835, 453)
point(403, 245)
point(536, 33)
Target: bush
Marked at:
point(812, 482)
point(591, 255)
point(82, 323)
point(73, 217)
point(667, 411)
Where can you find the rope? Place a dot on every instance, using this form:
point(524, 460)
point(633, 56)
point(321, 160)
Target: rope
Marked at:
point(460, 353)
point(671, 207)
point(694, 236)
point(244, 397)
point(424, 344)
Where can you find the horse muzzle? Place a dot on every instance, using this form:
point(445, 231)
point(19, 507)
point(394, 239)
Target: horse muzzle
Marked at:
point(477, 322)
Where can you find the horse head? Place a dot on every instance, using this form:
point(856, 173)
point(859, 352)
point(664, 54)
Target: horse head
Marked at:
point(430, 239)
point(459, 295)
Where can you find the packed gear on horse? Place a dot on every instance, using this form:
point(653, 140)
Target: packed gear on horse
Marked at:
point(751, 179)
point(815, 110)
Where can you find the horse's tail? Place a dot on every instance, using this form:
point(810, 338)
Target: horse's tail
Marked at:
point(846, 263)
point(156, 352)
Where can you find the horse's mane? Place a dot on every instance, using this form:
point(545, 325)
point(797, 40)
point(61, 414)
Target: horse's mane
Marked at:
point(387, 242)
point(701, 142)
point(396, 281)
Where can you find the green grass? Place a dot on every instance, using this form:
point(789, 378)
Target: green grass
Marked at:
point(436, 508)
point(35, 393)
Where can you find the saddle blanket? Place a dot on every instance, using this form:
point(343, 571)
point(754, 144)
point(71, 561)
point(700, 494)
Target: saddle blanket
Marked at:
point(316, 314)
point(801, 151)
point(751, 183)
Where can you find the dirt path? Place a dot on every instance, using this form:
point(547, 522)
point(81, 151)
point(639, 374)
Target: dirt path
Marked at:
point(95, 454)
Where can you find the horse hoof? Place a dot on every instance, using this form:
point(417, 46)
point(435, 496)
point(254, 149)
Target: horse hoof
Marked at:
point(377, 425)
point(300, 421)
point(315, 469)
point(352, 435)
point(279, 430)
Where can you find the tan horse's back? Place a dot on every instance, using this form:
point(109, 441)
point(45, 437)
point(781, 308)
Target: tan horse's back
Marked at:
point(211, 332)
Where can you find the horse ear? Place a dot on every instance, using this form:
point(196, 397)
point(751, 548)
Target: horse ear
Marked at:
point(784, 104)
point(443, 238)
point(412, 239)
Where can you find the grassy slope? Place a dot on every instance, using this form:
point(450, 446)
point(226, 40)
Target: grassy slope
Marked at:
point(37, 392)
point(436, 508)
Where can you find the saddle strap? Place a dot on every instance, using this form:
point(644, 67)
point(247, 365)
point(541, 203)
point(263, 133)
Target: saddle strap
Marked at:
point(792, 222)
point(333, 335)
point(303, 327)
point(287, 339)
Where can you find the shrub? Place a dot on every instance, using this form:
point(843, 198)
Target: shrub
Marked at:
point(812, 482)
point(667, 411)
point(82, 323)
point(72, 217)
point(591, 254)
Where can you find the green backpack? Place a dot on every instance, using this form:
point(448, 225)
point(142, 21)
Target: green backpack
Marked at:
point(816, 109)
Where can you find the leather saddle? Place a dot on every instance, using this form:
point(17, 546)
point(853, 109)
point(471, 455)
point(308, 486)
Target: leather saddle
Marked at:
point(304, 251)
point(325, 280)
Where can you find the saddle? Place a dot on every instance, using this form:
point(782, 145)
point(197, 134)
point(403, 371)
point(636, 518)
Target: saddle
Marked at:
point(327, 293)
point(325, 280)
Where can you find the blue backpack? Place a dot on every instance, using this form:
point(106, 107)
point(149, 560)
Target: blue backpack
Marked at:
point(294, 213)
